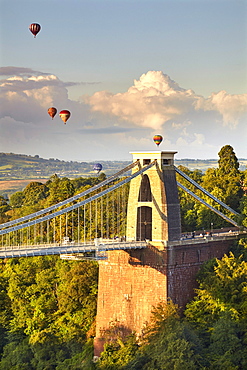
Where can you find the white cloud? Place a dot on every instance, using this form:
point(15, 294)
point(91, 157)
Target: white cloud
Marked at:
point(180, 125)
point(231, 107)
point(19, 83)
point(27, 98)
point(153, 100)
point(109, 125)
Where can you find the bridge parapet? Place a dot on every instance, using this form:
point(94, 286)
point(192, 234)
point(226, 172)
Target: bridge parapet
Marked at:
point(206, 238)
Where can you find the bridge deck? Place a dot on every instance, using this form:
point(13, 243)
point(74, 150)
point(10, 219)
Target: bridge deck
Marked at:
point(104, 245)
point(69, 248)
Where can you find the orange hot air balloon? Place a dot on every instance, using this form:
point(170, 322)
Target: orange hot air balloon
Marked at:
point(157, 139)
point(64, 114)
point(34, 28)
point(52, 112)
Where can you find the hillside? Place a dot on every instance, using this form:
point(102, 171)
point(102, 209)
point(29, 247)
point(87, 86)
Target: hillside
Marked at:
point(17, 170)
point(20, 166)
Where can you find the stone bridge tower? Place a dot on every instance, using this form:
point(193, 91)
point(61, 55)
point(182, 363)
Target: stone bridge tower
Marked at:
point(153, 206)
point(132, 282)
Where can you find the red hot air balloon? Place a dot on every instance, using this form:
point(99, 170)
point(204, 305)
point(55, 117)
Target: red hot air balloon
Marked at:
point(52, 112)
point(157, 139)
point(34, 28)
point(64, 114)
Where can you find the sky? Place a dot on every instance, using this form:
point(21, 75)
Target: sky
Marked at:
point(126, 70)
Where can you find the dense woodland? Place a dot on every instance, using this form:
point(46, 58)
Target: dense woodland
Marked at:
point(48, 305)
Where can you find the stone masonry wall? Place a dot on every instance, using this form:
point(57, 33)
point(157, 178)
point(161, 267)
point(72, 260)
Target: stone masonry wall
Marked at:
point(185, 262)
point(132, 283)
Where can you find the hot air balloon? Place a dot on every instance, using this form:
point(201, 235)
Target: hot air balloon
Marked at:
point(97, 167)
point(64, 114)
point(34, 28)
point(52, 112)
point(157, 139)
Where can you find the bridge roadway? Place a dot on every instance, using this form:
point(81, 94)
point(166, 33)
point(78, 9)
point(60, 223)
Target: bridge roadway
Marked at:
point(100, 246)
point(67, 248)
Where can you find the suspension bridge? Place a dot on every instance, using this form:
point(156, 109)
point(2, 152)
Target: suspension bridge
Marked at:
point(131, 224)
point(94, 221)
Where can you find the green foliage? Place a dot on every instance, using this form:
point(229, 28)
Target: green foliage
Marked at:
point(224, 290)
point(244, 211)
point(34, 192)
point(226, 349)
point(16, 199)
point(17, 356)
point(118, 354)
point(81, 360)
point(230, 178)
point(59, 190)
point(175, 347)
point(48, 308)
point(228, 162)
point(225, 183)
point(219, 311)
point(4, 208)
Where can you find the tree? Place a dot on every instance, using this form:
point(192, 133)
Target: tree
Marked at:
point(229, 176)
point(226, 349)
point(76, 299)
point(228, 162)
point(223, 290)
point(48, 307)
point(34, 192)
point(171, 343)
point(244, 210)
point(4, 208)
point(17, 355)
point(16, 199)
point(118, 354)
point(59, 190)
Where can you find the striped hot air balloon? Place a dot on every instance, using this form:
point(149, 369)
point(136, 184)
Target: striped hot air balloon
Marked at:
point(34, 28)
point(157, 139)
point(64, 114)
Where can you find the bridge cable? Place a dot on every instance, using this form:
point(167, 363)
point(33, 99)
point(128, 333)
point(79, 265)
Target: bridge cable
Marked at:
point(71, 199)
point(101, 215)
point(77, 205)
point(205, 191)
point(208, 205)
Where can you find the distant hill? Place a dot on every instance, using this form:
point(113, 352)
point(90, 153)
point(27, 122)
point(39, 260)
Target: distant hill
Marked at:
point(20, 166)
point(204, 164)
point(17, 170)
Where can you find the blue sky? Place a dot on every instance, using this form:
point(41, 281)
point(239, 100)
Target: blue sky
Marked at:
point(126, 70)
